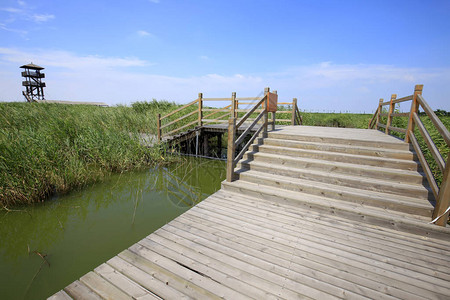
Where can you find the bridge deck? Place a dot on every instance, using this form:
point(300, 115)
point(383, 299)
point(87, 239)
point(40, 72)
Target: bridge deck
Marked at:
point(236, 246)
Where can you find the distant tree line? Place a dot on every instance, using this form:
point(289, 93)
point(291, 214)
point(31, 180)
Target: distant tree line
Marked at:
point(438, 112)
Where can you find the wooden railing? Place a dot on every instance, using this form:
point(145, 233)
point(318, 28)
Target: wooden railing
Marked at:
point(442, 192)
point(234, 141)
point(167, 126)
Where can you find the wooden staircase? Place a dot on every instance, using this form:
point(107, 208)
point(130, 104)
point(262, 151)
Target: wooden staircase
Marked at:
point(358, 174)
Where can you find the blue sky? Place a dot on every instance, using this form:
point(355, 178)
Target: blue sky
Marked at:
point(331, 55)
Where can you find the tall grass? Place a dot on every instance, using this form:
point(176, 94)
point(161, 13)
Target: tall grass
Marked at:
point(54, 148)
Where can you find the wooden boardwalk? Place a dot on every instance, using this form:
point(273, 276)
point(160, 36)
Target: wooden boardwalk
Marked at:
point(318, 213)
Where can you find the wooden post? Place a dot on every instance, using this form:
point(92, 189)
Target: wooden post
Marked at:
point(443, 200)
point(231, 148)
point(266, 105)
point(273, 116)
point(158, 127)
point(414, 109)
point(380, 108)
point(200, 109)
point(219, 145)
point(294, 111)
point(205, 148)
point(233, 105)
point(391, 110)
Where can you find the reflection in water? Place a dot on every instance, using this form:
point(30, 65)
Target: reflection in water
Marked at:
point(81, 230)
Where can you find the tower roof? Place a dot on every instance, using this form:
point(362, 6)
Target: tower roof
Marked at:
point(32, 66)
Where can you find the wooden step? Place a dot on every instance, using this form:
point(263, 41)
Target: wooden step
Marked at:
point(341, 157)
point(384, 144)
point(340, 148)
point(353, 211)
point(354, 169)
point(414, 189)
point(404, 204)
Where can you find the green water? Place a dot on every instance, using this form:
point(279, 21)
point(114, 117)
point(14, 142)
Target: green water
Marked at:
point(79, 231)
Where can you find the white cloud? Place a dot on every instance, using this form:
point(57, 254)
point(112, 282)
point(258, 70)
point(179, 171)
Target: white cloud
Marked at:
point(17, 16)
point(42, 18)
point(323, 86)
point(154, 1)
point(68, 60)
point(12, 10)
point(204, 57)
point(144, 33)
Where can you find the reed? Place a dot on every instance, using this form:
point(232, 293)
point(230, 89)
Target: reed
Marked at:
point(53, 148)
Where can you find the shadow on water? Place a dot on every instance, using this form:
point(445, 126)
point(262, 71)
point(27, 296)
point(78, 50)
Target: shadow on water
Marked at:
point(46, 246)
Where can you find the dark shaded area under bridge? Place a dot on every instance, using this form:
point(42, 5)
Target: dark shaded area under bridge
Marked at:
point(205, 141)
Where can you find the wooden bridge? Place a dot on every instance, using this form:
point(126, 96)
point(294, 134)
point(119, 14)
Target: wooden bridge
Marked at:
point(307, 212)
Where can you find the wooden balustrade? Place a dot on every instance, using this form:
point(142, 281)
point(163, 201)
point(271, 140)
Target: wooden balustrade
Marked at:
point(205, 115)
point(442, 192)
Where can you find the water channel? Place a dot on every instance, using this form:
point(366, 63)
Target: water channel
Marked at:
point(47, 246)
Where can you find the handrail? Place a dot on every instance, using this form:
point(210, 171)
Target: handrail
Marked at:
point(207, 115)
point(233, 143)
point(442, 192)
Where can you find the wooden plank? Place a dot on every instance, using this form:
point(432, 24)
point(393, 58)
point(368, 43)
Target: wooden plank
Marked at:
point(61, 295)
point(423, 264)
point(177, 275)
point(414, 109)
point(289, 257)
point(407, 239)
point(246, 236)
point(397, 129)
point(425, 166)
point(393, 240)
point(435, 120)
point(231, 149)
point(79, 290)
point(102, 287)
point(428, 140)
point(207, 121)
point(128, 286)
point(249, 98)
point(292, 288)
point(180, 128)
point(247, 110)
point(245, 117)
point(147, 280)
point(179, 119)
point(387, 263)
point(216, 99)
point(245, 148)
point(381, 125)
point(405, 114)
point(400, 280)
point(241, 138)
point(426, 264)
point(403, 99)
point(272, 263)
point(178, 109)
point(217, 110)
point(331, 280)
point(443, 200)
point(284, 112)
point(215, 269)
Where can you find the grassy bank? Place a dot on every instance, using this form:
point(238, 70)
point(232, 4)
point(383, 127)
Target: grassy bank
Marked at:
point(53, 148)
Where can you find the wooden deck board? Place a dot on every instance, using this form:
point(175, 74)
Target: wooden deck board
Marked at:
point(262, 245)
point(317, 222)
point(342, 238)
point(404, 271)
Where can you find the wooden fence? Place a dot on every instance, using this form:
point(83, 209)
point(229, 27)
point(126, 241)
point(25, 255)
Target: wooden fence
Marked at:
point(442, 192)
point(195, 114)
